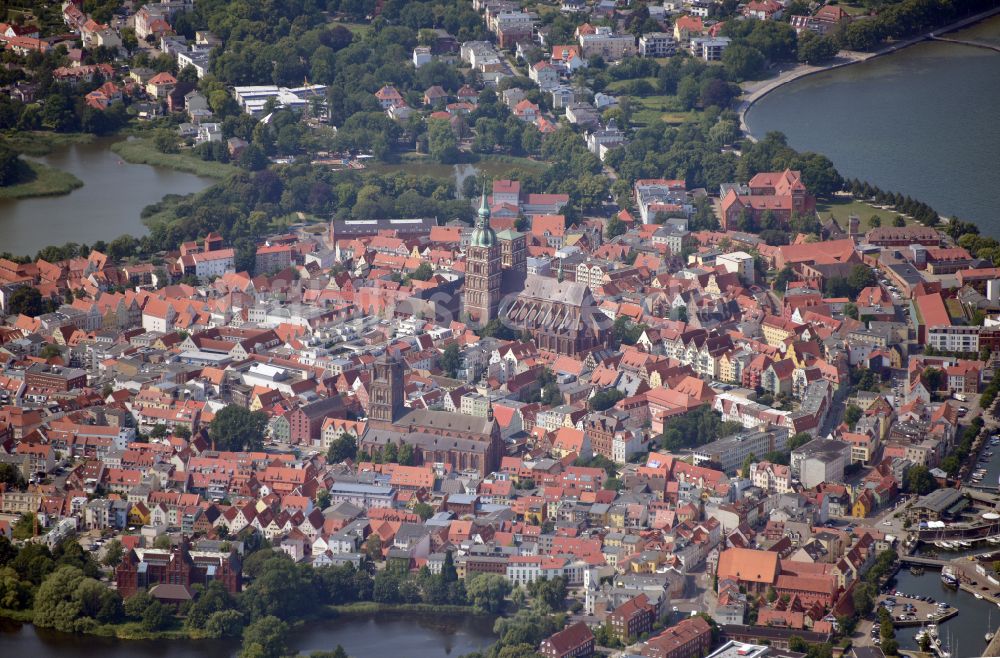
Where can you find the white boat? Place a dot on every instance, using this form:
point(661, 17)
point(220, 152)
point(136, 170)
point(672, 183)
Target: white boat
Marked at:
point(978, 596)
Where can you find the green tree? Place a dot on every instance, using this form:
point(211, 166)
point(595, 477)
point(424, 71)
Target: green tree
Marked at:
point(373, 547)
point(15, 594)
point(814, 49)
point(135, 605)
point(551, 592)
point(448, 572)
point(861, 277)
point(798, 440)
point(253, 158)
point(156, 617)
point(488, 591)
point(385, 589)
point(605, 399)
point(441, 142)
point(281, 589)
point(224, 623)
point(322, 499)
point(614, 227)
point(920, 481)
point(68, 601)
point(10, 476)
point(934, 378)
point(423, 272)
point(750, 459)
point(863, 599)
point(236, 428)
point(13, 170)
point(342, 448)
point(26, 300)
point(852, 415)
point(24, 527)
point(743, 62)
point(265, 638)
point(212, 599)
point(451, 359)
point(165, 141)
point(113, 553)
point(423, 510)
point(784, 277)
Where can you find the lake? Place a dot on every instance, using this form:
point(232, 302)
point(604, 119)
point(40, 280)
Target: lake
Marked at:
point(922, 122)
point(114, 192)
point(368, 636)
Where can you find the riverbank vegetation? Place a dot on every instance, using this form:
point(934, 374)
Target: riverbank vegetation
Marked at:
point(22, 179)
point(38, 143)
point(902, 20)
point(62, 589)
point(144, 151)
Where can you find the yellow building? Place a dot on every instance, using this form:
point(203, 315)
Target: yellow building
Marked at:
point(776, 331)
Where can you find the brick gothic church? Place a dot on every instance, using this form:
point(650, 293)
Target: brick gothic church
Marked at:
point(462, 441)
point(483, 271)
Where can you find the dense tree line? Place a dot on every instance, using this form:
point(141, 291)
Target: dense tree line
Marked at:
point(63, 591)
point(952, 464)
point(60, 107)
point(61, 586)
point(906, 19)
point(13, 170)
point(919, 210)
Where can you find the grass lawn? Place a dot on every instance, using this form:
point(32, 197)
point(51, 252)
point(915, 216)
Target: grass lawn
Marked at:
point(48, 181)
point(842, 207)
point(617, 85)
point(854, 9)
point(40, 143)
point(650, 109)
point(361, 29)
point(142, 151)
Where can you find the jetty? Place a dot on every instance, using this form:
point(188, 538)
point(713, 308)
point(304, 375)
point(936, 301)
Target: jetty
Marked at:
point(966, 42)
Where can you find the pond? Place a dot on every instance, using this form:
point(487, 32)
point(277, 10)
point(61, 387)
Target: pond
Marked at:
point(108, 205)
point(379, 635)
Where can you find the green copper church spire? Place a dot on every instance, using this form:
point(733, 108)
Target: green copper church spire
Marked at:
point(483, 216)
point(483, 235)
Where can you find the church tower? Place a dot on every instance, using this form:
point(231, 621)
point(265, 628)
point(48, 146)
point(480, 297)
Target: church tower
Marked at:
point(482, 270)
point(386, 400)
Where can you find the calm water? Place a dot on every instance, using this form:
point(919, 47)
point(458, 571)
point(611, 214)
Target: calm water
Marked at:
point(966, 629)
point(922, 122)
point(108, 205)
point(377, 636)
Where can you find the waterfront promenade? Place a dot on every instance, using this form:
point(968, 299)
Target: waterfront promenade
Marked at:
point(755, 90)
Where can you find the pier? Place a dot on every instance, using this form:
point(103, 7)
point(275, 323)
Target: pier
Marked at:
point(925, 613)
point(965, 42)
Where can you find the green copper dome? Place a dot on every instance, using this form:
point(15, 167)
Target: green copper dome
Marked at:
point(483, 235)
